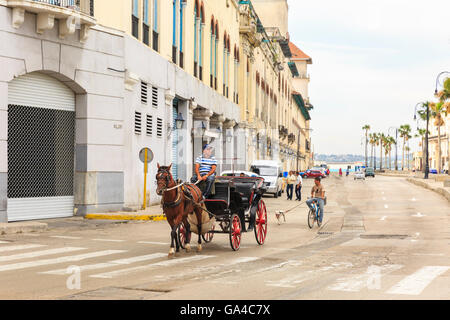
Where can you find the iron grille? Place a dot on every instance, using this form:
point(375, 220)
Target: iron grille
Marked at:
point(40, 152)
point(137, 122)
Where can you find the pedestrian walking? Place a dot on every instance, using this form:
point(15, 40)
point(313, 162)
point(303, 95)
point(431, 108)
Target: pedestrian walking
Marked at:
point(298, 187)
point(340, 172)
point(291, 180)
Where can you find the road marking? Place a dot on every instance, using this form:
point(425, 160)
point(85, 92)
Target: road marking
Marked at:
point(151, 242)
point(355, 283)
point(383, 218)
point(4, 242)
point(429, 254)
point(419, 215)
point(168, 263)
point(65, 237)
point(21, 247)
point(108, 240)
point(280, 265)
point(386, 206)
point(37, 263)
point(38, 253)
point(415, 283)
point(109, 264)
point(384, 198)
point(413, 199)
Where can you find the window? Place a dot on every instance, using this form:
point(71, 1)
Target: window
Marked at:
point(137, 122)
point(155, 25)
point(174, 31)
point(143, 92)
point(135, 19)
point(159, 127)
point(155, 97)
point(145, 24)
point(149, 125)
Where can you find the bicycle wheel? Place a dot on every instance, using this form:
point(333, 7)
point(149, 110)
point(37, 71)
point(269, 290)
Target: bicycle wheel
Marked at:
point(311, 217)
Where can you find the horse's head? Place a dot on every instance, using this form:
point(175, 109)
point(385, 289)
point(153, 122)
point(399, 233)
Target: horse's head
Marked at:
point(163, 178)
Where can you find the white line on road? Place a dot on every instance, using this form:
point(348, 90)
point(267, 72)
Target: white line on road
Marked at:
point(21, 247)
point(413, 199)
point(108, 240)
point(383, 218)
point(66, 237)
point(280, 265)
point(151, 242)
point(415, 283)
point(109, 275)
point(37, 263)
point(35, 254)
point(386, 206)
point(384, 198)
point(4, 242)
point(109, 264)
point(419, 215)
point(355, 283)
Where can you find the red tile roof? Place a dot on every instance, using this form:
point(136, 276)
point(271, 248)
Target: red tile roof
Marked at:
point(298, 54)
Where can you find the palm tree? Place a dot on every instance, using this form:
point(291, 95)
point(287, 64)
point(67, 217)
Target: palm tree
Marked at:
point(391, 141)
point(437, 111)
point(407, 149)
point(381, 138)
point(404, 133)
point(421, 134)
point(444, 96)
point(372, 143)
point(366, 128)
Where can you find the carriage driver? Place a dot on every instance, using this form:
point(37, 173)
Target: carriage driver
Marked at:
point(205, 168)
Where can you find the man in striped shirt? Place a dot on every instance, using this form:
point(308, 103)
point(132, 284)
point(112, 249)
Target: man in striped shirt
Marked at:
point(205, 168)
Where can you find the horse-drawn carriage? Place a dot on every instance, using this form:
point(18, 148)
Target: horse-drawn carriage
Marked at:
point(235, 206)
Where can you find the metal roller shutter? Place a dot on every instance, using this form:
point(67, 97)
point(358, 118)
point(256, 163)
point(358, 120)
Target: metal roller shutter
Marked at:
point(41, 128)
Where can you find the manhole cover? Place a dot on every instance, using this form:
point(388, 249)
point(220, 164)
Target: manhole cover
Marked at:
point(384, 236)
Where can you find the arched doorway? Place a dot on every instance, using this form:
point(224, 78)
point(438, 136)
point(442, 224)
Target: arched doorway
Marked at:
point(41, 129)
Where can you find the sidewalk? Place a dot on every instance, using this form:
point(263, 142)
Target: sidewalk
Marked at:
point(433, 185)
point(22, 227)
point(152, 213)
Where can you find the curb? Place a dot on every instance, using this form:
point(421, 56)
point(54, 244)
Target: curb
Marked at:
point(22, 227)
point(142, 217)
point(438, 190)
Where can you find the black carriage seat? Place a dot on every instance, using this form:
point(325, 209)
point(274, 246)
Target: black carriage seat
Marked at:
point(217, 203)
point(245, 189)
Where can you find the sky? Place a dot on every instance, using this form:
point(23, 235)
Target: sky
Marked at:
point(373, 61)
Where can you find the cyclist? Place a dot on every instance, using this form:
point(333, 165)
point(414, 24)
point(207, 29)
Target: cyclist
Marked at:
point(318, 195)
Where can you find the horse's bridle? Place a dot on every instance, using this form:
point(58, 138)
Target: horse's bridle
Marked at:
point(166, 178)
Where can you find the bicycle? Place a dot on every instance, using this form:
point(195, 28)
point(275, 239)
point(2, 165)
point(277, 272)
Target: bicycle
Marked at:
point(313, 215)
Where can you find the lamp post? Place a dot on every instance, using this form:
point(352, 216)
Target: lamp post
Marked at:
point(396, 138)
point(427, 168)
point(437, 80)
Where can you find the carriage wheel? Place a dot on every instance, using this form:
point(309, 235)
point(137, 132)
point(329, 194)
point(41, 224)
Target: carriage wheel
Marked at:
point(235, 232)
point(261, 223)
point(207, 237)
point(182, 236)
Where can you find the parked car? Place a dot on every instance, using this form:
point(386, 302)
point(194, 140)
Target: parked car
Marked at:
point(314, 174)
point(359, 175)
point(321, 169)
point(369, 172)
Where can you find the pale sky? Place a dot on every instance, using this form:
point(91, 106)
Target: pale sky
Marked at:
point(372, 62)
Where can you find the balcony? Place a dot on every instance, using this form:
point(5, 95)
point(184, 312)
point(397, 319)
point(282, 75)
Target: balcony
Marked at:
point(72, 15)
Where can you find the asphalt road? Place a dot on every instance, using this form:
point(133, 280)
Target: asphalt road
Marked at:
point(382, 238)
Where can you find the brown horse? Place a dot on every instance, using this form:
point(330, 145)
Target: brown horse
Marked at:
point(177, 206)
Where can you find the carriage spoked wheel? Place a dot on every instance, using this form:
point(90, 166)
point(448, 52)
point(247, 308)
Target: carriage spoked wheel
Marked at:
point(261, 223)
point(182, 235)
point(235, 232)
point(207, 237)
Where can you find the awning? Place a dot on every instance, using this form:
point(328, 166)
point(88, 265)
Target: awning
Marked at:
point(284, 44)
point(301, 104)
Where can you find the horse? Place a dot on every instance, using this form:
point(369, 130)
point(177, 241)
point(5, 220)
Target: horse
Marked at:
point(177, 206)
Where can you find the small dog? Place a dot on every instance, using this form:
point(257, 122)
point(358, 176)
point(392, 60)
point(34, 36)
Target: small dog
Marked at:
point(278, 214)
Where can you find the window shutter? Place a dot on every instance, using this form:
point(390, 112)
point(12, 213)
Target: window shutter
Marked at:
point(155, 97)
point(137, 122)
point(143, 92)
point(149, 127)
point(159, 127)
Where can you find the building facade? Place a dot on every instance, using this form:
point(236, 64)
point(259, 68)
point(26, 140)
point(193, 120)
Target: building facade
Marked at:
point(87, 84)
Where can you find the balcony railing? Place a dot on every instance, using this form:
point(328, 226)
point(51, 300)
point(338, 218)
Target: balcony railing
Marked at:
point(72, 14)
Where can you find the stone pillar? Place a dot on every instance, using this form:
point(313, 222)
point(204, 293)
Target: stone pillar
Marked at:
point(216, 124)
point(169, 96)
point(228, 133)
point(200, 116)
point(243, 147)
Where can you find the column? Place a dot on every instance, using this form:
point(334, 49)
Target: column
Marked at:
point(169, 96)
point(216, 124)
point(200, 115)
point(228, 132)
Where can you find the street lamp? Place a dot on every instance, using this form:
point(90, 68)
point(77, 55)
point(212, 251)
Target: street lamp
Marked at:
point(427, 168)
point(437, 80)
point(179, 121)
point(396, 138)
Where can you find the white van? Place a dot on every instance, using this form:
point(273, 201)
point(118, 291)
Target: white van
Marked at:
point(272, 172)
